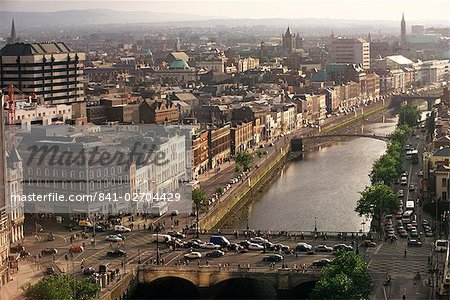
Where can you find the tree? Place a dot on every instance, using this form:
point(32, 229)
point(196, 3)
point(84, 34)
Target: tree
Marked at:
point(377, 200)
point(400, 134)
point(219, 191)
point(199, 202)
point(385, 170)
point(244, 159)
point(64, 287)
point(347, 277)
point(409, 115)
point(431, 124)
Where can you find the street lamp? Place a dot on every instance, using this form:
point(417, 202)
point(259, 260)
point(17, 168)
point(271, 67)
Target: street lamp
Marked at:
point(315, 224)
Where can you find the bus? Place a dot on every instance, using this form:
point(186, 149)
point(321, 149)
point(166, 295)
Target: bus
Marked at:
point(441, 245)
point(410, 205)
point(407, 216)
point(159, 209)
point(412, 154)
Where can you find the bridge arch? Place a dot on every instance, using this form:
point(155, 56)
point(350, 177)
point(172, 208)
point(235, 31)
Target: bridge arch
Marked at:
point(302, 290)
point(187, 276)
point(162, 287)
point(241, 287)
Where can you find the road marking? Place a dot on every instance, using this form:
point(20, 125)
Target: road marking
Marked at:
point(384, 292)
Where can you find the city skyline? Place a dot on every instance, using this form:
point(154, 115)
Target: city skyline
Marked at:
point(349, 9)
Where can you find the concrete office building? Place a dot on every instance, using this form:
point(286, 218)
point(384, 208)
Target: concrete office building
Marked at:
point(354, 51)
point(52, 72)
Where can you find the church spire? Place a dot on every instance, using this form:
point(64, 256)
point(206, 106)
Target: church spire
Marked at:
point(12, 37)
point(403, 29)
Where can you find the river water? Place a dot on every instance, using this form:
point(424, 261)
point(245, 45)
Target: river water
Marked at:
point(321, 188)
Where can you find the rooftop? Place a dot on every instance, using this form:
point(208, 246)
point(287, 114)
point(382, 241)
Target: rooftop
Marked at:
point(34, 48)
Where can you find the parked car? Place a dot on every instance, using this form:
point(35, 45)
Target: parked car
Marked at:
point(273, 258)
point(215, 254)
point(400, 193)
point(343, 247)
point(49, 251)
point(193, 255)
point(303, 247)
point(412, 187)
point(258, 240)
point(321, 262)
point(116, 253)
point(98, 228)
point(414, 243)
point(414, 233)
point(113, 238)
point(323, 248)
point(209, 246)
point(234, 247)
point(254, 246)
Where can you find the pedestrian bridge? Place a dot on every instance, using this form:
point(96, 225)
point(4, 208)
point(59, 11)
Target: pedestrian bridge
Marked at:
point(431, 100)
point(207, 276)
point(382, 137)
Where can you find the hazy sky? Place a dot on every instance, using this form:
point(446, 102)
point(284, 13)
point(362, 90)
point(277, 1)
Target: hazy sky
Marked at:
point(336, 9)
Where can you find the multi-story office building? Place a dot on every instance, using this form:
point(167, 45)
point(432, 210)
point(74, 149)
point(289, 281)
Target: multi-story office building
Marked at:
point(52, 72)
point(15, 187)
point(354, 51)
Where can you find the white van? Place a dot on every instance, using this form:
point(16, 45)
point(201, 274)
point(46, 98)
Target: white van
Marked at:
point(161, 238)
point(406, 218)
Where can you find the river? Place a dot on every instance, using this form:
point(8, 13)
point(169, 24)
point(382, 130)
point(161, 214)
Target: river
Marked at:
point(322, 188)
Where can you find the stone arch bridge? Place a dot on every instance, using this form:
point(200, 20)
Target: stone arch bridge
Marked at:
point(431, 100)
point(207, 276)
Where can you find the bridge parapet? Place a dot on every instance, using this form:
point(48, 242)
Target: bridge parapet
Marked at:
point(206, 276)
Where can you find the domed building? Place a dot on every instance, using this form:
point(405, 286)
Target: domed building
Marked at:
point(179, 71)
point(179, 64)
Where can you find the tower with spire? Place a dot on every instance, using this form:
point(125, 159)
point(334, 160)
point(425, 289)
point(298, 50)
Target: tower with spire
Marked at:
point(12, 37)
point(403, 29)
point(291, 41)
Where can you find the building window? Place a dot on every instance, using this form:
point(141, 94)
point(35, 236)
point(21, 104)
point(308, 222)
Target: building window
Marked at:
point(444, 196)
point(444, 182)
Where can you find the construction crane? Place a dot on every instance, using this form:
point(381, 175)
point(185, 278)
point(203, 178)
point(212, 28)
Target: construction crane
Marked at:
point(11, 107)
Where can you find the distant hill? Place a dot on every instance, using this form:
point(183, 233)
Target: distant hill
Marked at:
point(106, 16)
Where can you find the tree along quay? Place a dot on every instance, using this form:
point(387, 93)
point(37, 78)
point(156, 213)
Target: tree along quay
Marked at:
point(222, 214)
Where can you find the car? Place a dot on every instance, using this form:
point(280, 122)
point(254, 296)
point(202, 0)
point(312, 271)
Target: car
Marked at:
point(49, 251)
point(321, 262)
point(121, 228)
point(98, 228)
point(323, 248)
point(303, 247)
point(403, 233)
point(425, 222)
point(193, 255)
point(412, 187)
point(254, 246)
point(49, 271)
point(244, 244)
point(429, 233)
point(176, 234)
point(215, 254)
point(368, 243)
point(88, 271)
point(409, 227)
point(17, 248)
point(193, 244)
point(113, 238)
point(414, 233)
point(258, 240)
point(400, 193)
point(209, 246)
point(404, 172)
point(389, 222)
point(273, 258)
point(343, 247)
point(414, 243)
point(234, 247)
point(270, 246)
point(76, 249)
point(116, 253)
point(420, 173)
point(390, 230)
